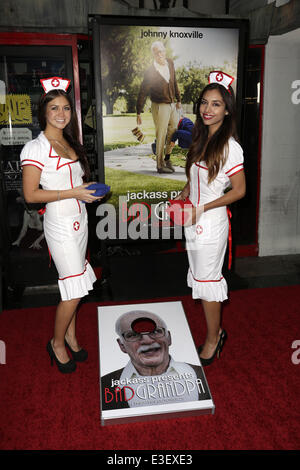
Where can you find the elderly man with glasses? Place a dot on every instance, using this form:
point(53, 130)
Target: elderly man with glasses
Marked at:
point(161, 86)
point(151, 376)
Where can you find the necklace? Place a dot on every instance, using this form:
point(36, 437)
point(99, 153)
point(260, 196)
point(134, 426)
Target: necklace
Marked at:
point(66, 150)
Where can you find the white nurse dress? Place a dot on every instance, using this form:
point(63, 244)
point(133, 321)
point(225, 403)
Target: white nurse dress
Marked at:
point(206, 241)
point(65, 221)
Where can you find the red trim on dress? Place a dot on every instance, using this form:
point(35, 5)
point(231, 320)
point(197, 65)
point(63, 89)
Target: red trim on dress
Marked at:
point(241, 169)
point(35, 161)
point(212, 280)
point(71, 181)
point(74, 275)
point(31, 164)
point(201, 166)
point(73, 187)
point(240, 164)
point(58, 167)
point(199, 186)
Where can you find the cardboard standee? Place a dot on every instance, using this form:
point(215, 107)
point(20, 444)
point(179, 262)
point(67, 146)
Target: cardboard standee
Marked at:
point(176, 385)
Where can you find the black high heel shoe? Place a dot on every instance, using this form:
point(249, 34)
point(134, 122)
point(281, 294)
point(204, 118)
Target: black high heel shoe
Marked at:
point(218, 350)
point(64, 368)
point(78, 356)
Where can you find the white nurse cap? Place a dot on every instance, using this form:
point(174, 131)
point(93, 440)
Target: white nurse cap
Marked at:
point(55, 83)
point(221, 78)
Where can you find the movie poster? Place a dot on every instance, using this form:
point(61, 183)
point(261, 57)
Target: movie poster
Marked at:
point(131, 155)
point(149, 366)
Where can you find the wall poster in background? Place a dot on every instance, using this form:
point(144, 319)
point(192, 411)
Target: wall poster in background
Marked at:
point(126, 84)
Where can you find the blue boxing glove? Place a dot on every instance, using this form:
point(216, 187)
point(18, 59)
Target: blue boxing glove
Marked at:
point(101, 189)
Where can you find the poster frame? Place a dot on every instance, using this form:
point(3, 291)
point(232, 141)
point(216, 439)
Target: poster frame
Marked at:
point(97, 21)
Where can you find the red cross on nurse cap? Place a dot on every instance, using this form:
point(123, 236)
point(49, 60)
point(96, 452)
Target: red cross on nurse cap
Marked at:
point(55, 83)
point(220, 77)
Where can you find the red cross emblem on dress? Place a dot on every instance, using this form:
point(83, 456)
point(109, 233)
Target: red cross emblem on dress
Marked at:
point(199, 229)
point(55, 83)
point(220, 77)
point(76, 226)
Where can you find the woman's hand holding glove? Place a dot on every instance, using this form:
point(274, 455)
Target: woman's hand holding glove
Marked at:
point(182, 212)
point(192, 215)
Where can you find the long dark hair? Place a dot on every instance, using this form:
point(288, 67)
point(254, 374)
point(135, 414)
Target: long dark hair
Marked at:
point(215, 150)
point(70, 132)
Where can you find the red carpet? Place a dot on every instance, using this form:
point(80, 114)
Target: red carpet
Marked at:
point(255, 384)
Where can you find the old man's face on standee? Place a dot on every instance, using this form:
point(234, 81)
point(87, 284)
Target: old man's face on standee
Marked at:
point(149, 355)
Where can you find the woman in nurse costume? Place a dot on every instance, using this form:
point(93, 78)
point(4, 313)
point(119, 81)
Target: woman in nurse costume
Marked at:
point(54, 168)
point(214, 164)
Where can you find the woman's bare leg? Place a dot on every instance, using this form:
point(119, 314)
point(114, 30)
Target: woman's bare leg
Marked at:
point(71, 334)
point(65, 313)
point(212, 311)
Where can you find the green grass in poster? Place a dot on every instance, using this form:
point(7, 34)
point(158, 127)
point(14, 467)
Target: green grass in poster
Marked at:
point(117, 134)
point(117, 130)
point(124, 182)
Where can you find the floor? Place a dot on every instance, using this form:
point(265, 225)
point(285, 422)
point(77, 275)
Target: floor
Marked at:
point(134, 274)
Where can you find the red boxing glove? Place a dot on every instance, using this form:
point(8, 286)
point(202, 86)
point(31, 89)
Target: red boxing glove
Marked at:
point(177, 211)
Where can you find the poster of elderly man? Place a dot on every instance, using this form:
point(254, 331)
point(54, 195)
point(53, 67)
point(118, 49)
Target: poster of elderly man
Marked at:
point(145, 372)
point(148, 76)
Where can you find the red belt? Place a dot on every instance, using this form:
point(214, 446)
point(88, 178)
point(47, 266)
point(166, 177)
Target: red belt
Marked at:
point(42, 212)
point(229, 239)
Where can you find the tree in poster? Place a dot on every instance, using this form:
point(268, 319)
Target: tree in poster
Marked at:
point(193, 77)
point(124, 58)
